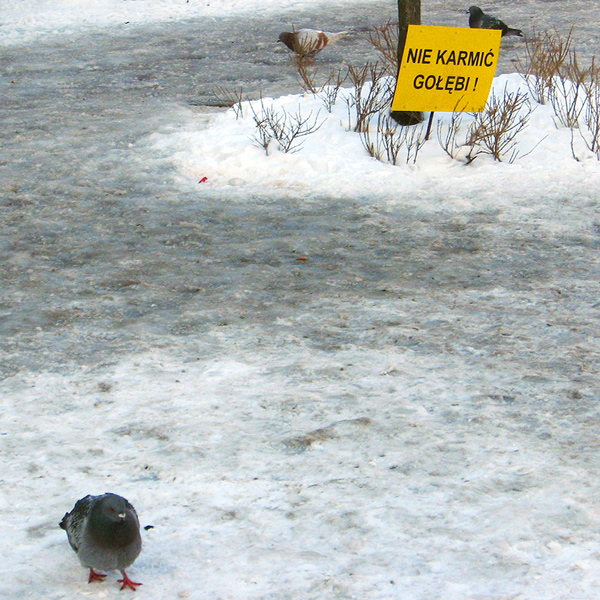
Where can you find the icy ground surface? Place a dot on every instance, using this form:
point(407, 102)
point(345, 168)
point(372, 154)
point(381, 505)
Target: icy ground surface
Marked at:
point(306, 394)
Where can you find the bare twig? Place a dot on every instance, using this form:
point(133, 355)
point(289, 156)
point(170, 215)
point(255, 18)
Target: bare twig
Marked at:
point(282, 127)
point(568, 92)
point(391, 138)
point(328, 91)
point(385, 40)
point(232, 98)
point(494, 130)
point(448, 138)
point(545, 54)
point(372, 93)
point(305, 78)
point(591, 119)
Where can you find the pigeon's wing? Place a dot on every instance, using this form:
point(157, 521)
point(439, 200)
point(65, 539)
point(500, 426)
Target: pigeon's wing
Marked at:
point(74, 521)
point(312, 41)
point(491, 22)
point(309, 41)
point(307, 33)
point(129, 506)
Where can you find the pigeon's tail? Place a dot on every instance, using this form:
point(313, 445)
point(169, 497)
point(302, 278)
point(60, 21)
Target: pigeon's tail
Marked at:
point(334, 37)
point(511, 31)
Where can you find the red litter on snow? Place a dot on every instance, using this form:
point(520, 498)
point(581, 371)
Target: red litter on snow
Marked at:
point(203, 180)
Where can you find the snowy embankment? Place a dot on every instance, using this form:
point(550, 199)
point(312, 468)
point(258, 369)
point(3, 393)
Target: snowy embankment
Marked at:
point(550, 159)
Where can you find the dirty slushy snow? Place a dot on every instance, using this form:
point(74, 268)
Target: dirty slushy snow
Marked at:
point(315, 375)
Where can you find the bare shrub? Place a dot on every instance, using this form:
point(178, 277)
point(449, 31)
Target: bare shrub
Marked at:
point(385, 40)
point(590, 131)
point(305, 77)
point(570, 89)
point(390, 138)
point(372, 93)
point(567, 99)
point(232, 98)
point(494, 130)
point(592, 121)
point(545, 55)
point(282, 127)
point(447, 134)
point(328, 92)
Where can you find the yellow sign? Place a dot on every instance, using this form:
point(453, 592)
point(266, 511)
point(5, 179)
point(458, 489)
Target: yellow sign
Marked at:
point(447, 68)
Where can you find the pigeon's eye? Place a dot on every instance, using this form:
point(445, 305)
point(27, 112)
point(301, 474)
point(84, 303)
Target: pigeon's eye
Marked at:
point(112, 509)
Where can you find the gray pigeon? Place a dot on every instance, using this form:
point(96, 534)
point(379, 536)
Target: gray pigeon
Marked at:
point(479, 20)
point(104, 531)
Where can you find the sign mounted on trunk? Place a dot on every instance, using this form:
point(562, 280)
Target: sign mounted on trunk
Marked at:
point(446, 69)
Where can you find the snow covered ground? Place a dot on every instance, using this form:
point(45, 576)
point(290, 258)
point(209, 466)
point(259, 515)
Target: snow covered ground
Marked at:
point(333, 160)
point(314, 374)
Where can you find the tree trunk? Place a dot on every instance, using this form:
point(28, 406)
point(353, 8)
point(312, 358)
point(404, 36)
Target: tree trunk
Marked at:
point(409, 13)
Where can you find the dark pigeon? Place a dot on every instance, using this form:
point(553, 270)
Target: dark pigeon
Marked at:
point(479, 20)
point(104, 531)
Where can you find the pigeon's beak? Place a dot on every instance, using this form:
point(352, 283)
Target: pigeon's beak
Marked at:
point(121, 515)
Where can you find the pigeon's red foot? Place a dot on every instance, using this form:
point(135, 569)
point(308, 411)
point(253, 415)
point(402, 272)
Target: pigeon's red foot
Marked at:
point(127, 583)
point(95, 576)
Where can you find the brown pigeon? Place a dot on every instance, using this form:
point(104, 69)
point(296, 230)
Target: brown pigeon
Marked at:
point(308, 42)
point(104, 531)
